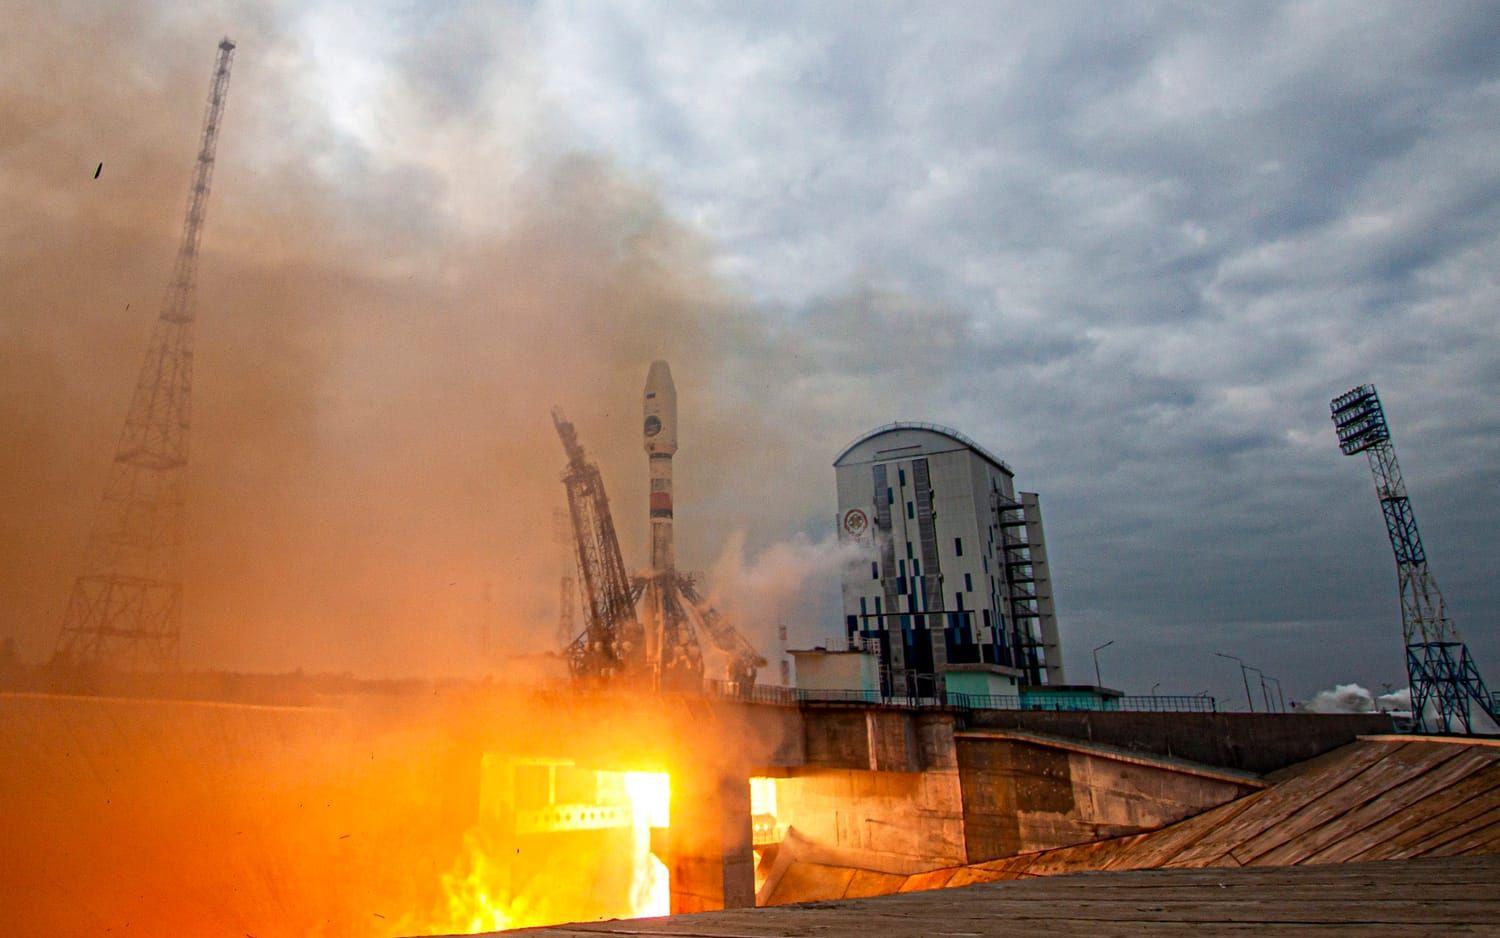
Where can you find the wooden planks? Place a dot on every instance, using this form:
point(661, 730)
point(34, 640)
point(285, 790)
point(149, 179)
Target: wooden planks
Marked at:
point(1450, 896)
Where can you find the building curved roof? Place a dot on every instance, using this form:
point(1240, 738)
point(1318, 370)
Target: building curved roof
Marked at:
point(937, 428)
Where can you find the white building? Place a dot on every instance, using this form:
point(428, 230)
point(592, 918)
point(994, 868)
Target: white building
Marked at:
point(956, 567)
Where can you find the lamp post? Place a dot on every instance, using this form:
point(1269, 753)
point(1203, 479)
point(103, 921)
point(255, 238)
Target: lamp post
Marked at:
point(1280, 697)
point(1265, 694)
point(1243, 676)
point(1099, 681)
point(1154, 687)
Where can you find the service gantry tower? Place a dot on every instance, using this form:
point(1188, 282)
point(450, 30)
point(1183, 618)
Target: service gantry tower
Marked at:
point(125, 610)
point(1447, 693)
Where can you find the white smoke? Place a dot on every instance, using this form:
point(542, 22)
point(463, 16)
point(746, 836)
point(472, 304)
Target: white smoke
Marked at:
point(787, 583)
point(1395, 702)
point(1353, 698)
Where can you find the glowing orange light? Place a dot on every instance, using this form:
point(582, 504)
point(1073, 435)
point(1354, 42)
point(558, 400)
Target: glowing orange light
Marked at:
point(481, 893)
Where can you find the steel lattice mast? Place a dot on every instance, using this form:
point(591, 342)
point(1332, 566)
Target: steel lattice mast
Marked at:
point(1447, 693)
point(125, 609)
point(613, 642)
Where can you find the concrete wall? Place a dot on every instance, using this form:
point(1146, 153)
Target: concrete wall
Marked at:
point(881, 791)
point(819, 669)
point(1253, 742)
point(1020, 796)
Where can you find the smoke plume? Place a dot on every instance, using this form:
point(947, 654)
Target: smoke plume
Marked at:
point(400, 274)
point(1352, 698)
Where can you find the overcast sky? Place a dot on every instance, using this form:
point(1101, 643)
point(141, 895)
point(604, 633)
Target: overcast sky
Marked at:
point(1132, 248)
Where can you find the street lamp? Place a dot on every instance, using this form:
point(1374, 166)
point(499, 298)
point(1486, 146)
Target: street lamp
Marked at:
point(1265, 695)
point(1243, 676)
point(1098, 681)
point(1280, 697)
point(1154, 687)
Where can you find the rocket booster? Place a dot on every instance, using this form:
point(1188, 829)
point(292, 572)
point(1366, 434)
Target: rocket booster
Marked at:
point(660, 433)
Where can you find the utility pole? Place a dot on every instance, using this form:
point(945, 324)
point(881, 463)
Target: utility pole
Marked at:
point(1280, 698)
point(125, 610)
point(1099, 681)
point(1243, 676)
point(1265, 695)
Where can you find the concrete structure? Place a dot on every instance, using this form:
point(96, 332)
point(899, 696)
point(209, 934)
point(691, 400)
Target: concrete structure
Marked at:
point(189, 816)
point(823, 669)
point(1071, 697)
point(981, 680)
point(956, 565)
point(1380, 798)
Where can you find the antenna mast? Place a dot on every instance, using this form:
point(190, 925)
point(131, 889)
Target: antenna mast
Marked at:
point(1447, 693)
point(125, 609)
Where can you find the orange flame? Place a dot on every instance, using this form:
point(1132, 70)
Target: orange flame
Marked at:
point(560, 881)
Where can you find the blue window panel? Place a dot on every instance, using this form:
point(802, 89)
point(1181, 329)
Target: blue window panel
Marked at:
point(900, 584)
point(877, 605)
point(901, 568)
point(853, 624)
point(862, 609)
point(986, 560)
point(902, 474)
point(916, 568)
point(874, 570)
point(958, 546)
point(969, 582)
point(986, 619)
point(890, 496)
point(958, 600)
point(908, 549)
point(906, 623)
point(911, 510)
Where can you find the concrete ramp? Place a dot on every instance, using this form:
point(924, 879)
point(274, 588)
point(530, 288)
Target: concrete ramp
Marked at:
point(1381, 798)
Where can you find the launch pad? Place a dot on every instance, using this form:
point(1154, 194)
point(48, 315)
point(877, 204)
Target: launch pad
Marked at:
point(648, 629)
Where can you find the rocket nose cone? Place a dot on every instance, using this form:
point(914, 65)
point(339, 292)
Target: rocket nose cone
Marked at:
point(659, 378)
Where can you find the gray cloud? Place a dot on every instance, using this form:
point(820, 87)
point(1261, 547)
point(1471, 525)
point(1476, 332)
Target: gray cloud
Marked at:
point(1133, 249)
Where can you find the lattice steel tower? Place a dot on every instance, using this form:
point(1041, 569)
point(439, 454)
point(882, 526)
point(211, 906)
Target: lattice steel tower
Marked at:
point(125, 610)
point(1447, 693)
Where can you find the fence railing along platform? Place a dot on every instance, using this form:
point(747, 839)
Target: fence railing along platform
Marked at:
point(1134, 703)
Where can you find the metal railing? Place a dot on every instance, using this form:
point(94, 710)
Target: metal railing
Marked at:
point(1135, 703)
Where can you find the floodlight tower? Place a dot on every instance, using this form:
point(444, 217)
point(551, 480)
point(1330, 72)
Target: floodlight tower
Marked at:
point(1447, 693)
point(125, 610)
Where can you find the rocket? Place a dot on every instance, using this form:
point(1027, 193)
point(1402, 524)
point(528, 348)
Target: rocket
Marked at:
point(660, 434)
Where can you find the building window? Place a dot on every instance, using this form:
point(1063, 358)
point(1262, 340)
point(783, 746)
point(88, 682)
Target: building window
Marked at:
point(901, 568)
point(890, 496)
point(968, 582)
point(853, 625)
point(916, 568)
point(862, 610)
point(902, 474)
point(986, 560)
point(908, 549)
point(958, 546)
point(874, 570)
point(911, 511)
point(877, 605)
point(958, 601)
point(986, 618)
point(900, 584)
